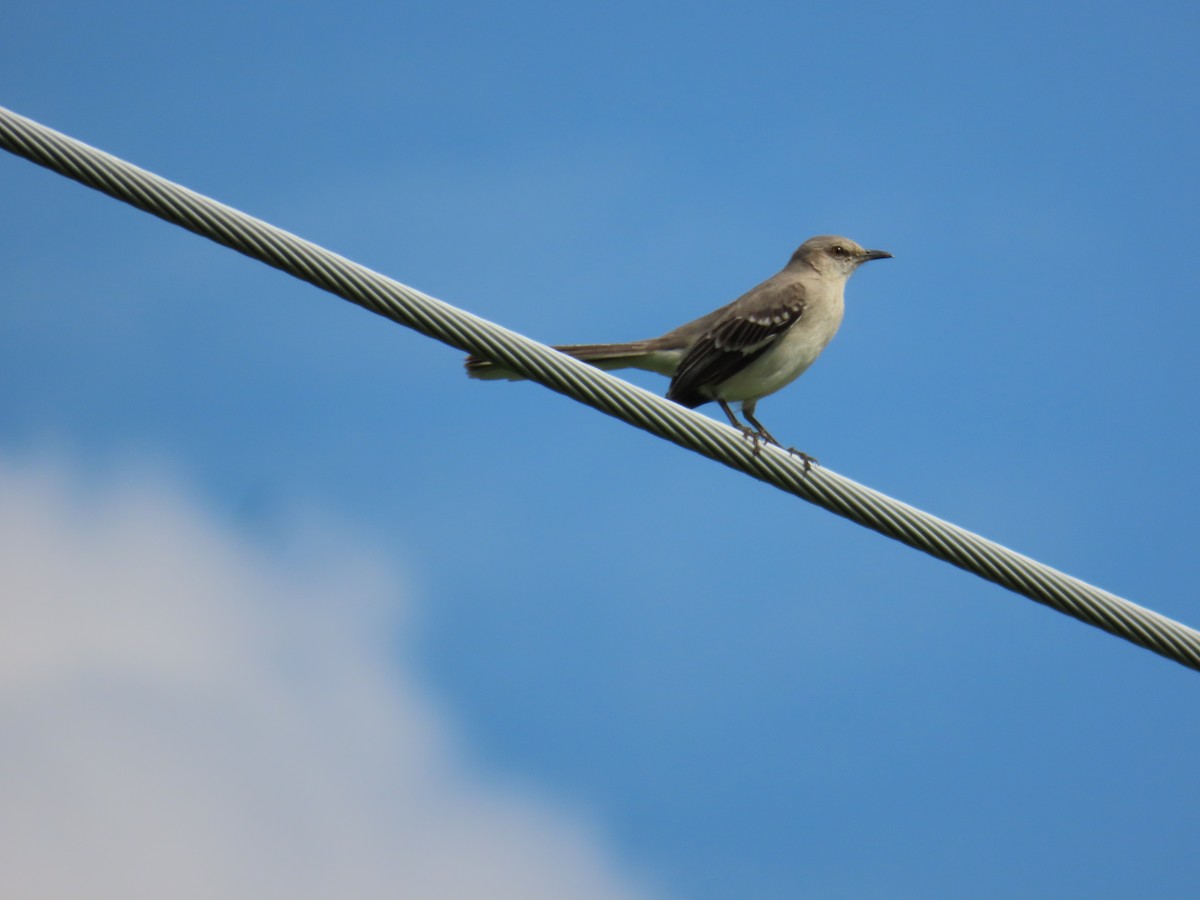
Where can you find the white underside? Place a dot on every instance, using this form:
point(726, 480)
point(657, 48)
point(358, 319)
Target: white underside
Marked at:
point(664, 362)
point(787, 360)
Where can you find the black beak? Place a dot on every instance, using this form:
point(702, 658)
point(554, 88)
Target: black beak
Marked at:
point(876, 254)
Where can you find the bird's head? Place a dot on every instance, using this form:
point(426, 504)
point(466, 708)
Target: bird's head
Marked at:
point(835, 256)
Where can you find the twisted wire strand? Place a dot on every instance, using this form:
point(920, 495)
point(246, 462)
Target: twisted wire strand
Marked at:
point(596, 388)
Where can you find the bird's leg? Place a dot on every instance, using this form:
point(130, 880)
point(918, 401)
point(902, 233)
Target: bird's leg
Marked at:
point(748, 412)
point(746, 432)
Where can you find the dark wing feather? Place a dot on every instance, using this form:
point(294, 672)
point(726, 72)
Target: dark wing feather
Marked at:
point(742, 335)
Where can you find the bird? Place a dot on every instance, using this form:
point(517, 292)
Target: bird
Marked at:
point(750, 348)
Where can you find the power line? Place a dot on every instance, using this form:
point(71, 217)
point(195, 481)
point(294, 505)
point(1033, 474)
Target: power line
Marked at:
point(598, 389)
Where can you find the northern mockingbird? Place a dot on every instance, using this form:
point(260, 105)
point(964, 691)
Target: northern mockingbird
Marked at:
point(759, 343)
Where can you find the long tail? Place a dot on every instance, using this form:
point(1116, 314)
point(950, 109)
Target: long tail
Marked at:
point(605, 356)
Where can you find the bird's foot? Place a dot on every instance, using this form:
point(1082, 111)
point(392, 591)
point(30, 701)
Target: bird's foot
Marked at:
point(809, 461)
point(755, 438)
point(760, 436)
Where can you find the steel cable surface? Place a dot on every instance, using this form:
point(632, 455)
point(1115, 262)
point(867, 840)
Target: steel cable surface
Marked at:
point(598, 389)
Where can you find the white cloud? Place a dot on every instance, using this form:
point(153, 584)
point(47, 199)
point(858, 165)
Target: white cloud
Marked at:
point(186, 713)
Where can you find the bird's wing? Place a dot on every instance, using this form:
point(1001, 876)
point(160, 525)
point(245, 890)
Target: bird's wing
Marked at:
point(749, 327)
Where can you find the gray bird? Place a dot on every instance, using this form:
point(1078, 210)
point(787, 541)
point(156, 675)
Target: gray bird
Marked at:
point(759, 343)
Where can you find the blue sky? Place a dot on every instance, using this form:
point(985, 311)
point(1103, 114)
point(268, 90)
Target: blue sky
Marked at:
point(610, 667)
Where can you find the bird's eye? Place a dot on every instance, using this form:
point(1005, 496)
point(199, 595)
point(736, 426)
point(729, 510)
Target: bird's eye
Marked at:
point(839, 250)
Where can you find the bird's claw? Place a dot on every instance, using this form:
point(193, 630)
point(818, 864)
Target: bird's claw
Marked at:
point(809, 461)
point(758, 438)
point(753, 436)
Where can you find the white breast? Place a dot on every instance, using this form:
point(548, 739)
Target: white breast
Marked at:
point(791, 354)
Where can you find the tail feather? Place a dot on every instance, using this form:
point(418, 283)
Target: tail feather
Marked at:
point(605, 356)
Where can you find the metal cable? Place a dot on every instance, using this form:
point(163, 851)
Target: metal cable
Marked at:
point(598, 389)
